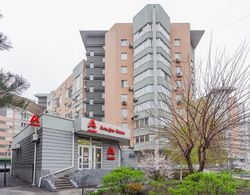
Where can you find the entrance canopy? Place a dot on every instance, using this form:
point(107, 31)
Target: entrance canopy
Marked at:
point(93, 128)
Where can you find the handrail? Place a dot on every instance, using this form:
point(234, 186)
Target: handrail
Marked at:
point(53, 174)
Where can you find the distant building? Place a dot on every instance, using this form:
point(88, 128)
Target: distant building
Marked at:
point(12, 121)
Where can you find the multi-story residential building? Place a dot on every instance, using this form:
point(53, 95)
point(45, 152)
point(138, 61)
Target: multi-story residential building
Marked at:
point(94, 79)
point(130, 71)
point(119, 76)
point(162, 68)
point(12, 121)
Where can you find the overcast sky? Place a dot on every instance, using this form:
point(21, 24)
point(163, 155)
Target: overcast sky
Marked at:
point(47, 44)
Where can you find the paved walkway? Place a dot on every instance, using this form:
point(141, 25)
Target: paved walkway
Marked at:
point(27, 190)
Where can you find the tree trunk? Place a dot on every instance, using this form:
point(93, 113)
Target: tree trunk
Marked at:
point(203, 156)
point(189, 163)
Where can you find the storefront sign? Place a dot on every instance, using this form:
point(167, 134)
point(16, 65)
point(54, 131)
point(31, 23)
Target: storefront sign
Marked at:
point(93, 128)
point(34, 121)
point(111, 153)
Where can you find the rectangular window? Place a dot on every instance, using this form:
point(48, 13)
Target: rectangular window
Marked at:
point(124, 83)
point(91, 77)
point(178, 98)
point(9, 113)
point(177, 56)
point(178, 71)
point(124, 56)
point(103, 95)
point(124, 69)
point(141, 138)
point(178, 84)
point(124, 125)
point(124, 112)
point(147, 138)
point(91, 102)
point(103, 59)
point(137, 139)
point(103, 83)
point(177, 42)
point(91, 114)
point(124, 97)
point(124, 42)
point(91, 65)
point(91, 53)
point(2, 138)
point(91, 89)
point(77, 83)
point(103, 107)
point(103, 71)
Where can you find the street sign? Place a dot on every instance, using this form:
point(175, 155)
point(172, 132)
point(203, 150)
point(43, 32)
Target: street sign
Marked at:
point(34, 121)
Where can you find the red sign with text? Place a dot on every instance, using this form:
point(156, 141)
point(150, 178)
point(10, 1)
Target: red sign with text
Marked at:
point(92, 128)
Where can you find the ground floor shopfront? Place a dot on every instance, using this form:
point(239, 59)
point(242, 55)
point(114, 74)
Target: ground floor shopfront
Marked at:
point(83, 149)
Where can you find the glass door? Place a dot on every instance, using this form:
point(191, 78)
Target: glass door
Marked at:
point(84, 157)
point(97, 157)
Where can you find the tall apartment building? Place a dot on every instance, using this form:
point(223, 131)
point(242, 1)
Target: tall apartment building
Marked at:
point(156, 61)
point(130, 70)
point(119, 76)
point(12, 121)
point(94, 79)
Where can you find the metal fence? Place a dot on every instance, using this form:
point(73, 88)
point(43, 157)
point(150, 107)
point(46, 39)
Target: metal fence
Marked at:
point(14, 176)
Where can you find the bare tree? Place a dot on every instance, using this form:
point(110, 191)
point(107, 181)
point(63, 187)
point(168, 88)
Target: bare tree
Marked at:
point(210, 121)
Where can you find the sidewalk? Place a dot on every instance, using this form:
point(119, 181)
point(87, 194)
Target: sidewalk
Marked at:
point(27, 190)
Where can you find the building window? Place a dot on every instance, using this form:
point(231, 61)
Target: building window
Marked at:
point(124, 112)
point(124, 83)
point(103, 107)
point(91, 77)
point(124, 69)
point(178, 98)
point(103, 95)
point(177, 42)
point(177, 56)
point(178, 71)
point(124, 42)
point(91, 65)
point(77, 83)
point(2, 138)
point(91, 102)
point(103, 83)
point(103, 71)
point(142, 138)
point(91, 114)
point(178, 84)
point(103, 59)
point(91, 53)
point(124, 56)
point(124, 125)
point(91, 89)
point(147, 138)
point(9, 113)
point(137, 139)
point(124, 97)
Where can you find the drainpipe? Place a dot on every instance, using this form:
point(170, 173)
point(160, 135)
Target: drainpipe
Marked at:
point(120, 155)
point(35, 139)
point(73, 147)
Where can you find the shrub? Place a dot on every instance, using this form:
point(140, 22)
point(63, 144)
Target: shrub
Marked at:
point(206, 183)
point(119, 179)
point(159, 187)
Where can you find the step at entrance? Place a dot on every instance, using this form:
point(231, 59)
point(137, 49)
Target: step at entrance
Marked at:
point(63, 183)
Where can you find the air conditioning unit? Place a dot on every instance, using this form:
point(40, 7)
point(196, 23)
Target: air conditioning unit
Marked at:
point(130, 89)
point(178, 74)
point(177, 60)
point(135, 99)
point(124, 103)
point(134, 116)
point(130, 46)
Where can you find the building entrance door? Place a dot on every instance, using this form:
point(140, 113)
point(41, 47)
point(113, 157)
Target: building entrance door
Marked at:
point(97, 157)
point(84, 157)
